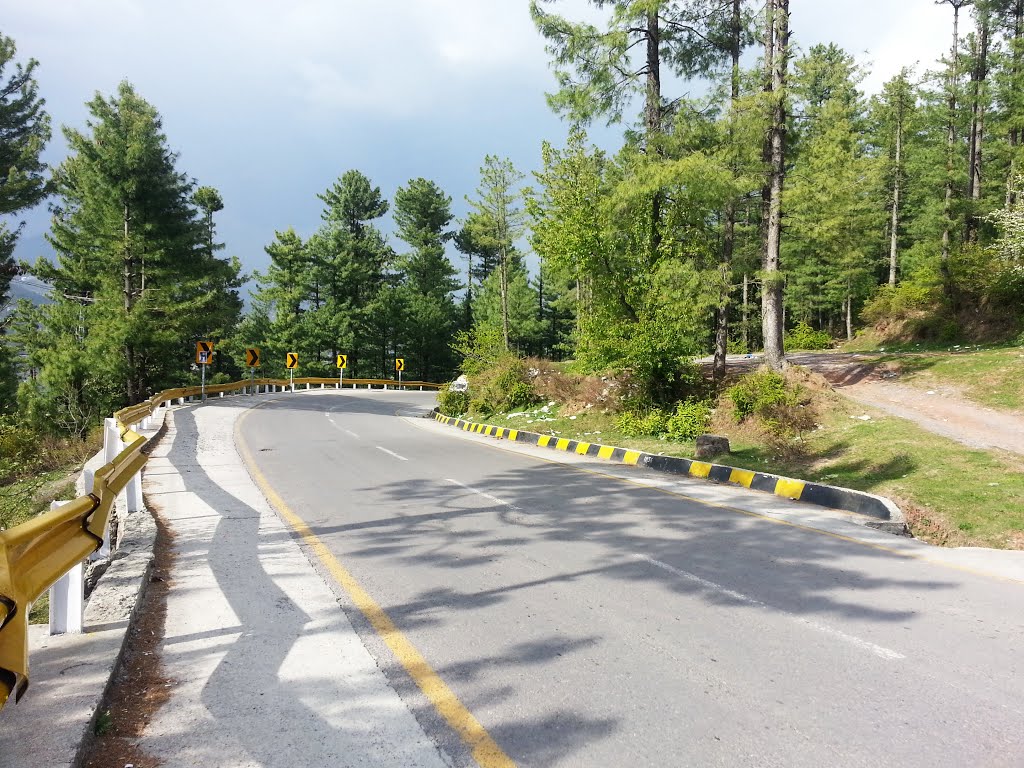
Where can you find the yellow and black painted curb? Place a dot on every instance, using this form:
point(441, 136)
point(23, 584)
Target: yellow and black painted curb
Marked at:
point(813, 493)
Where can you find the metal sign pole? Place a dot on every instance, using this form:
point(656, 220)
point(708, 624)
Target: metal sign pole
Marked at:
point(399, 379)
point(203, 385)
point(252, 381)
point(291, 378)
point(341, 378)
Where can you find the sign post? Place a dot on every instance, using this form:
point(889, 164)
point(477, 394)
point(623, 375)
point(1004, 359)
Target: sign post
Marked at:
point(399, 366)
point(204, 357)
point(291, 360)
point(252, 359)
point(342, 362)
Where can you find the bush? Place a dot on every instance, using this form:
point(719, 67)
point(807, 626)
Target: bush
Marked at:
point(803, 337)
point(502, 386)
point(652, 423)
point(452, 403)
point(758, 393)
point(19, 449)
point(690, 420)
point(906, 300)
point(782, 409)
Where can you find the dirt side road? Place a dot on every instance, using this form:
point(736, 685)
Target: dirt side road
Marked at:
point(943, 410)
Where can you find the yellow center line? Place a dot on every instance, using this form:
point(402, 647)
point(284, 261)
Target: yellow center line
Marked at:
point(485, 750)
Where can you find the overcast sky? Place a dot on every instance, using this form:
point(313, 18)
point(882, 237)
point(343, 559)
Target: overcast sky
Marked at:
point(270, 102)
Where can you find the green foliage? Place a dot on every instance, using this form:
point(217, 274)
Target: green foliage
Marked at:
point(479, 349)
point(136, 279)
point(502, 386)
point(899, 303)
point(803, 337)
point(19, 453)
point(452, 403)
point(759, 393)
point(690, 420)
point(781, 408)
point(25, 130)
point(650, 423)
point(104, 723)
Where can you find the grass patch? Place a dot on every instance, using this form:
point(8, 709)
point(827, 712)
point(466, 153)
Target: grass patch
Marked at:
point(952, 495)
point(993, 377)
point(26, 498)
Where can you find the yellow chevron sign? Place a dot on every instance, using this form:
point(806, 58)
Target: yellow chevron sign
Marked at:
point(342, 361)
point(204, 352)
point(252, 357)
point(399, 363)
point(291, 360)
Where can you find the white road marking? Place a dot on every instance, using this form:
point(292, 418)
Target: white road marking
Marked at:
point(330, 418)
point(391, 453)
point(878, 650)
point(486, 495)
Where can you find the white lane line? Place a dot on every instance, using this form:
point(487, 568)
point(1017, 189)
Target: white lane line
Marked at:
point(486, 495)
point(346, 431)
point(878, 650)
point(391, 453)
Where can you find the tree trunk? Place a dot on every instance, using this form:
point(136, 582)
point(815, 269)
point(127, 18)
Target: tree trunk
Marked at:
point(653, 119)
point(849, 315)
point(503, 274)
point(979, 77)
point(1013, 137)
point(772, 318)
point(894, 225)
point(947, 208)
point(729, 231)
point(128, 291)
point(746, 312)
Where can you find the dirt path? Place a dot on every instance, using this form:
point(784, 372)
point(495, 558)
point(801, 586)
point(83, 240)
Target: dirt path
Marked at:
point(943, 410)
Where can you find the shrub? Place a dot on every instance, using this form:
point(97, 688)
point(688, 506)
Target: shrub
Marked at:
point(902, 302)
point(452, 403)
point(502, 386)
point(652, 423)
point(804, 337)
point(19, 449)
point(759, 392)
point(690, 420)
point(780, 408)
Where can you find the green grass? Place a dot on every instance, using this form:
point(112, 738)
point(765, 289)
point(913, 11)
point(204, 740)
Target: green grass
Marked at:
point(953, 495)
point(26, 498)
point(991, 376)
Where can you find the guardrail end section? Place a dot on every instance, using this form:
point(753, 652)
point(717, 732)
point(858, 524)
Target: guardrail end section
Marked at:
point(13, 652)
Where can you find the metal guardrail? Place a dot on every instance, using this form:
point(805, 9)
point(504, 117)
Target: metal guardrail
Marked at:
point(37, 553)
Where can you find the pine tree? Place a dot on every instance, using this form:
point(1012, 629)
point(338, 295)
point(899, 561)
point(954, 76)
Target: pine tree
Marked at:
point(130, 247)
point(499, 223)
point(357, 264)
point(422, 215)
point(24, 132)
point(894, 116)
point(776, 66)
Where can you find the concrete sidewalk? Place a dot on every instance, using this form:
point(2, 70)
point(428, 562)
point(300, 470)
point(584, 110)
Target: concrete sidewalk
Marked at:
point(267, 669)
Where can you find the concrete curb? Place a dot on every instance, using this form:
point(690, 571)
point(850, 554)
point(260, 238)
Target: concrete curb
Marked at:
point(889, 516)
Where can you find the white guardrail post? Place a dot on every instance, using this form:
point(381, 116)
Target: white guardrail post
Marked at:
point(67, 595)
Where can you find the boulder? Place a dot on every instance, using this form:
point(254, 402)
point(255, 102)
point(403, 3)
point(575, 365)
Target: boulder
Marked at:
point(711, 445)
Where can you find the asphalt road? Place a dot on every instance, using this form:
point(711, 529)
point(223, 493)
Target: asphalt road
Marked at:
point(587, 621)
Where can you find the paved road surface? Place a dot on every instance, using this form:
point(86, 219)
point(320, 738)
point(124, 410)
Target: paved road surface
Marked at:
point(588, 621)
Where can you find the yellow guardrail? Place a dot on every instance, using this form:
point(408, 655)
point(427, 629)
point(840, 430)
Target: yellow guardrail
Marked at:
point(38, 552)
